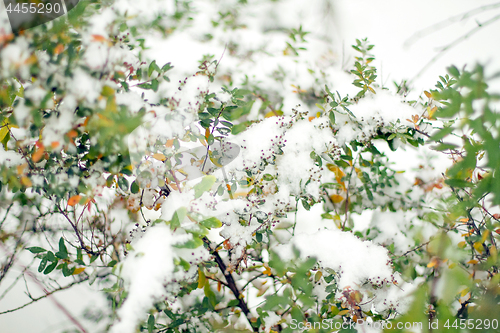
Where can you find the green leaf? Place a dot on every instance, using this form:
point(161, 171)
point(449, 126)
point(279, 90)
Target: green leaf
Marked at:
point(152, 67)
point(441, 134)
point(63, 252)
point(134, 188)
point(205, 185)
point(458, 183)
point(211, 222)
point(453, 70)
point(66, 270)
point(191, 244)
point(341, 163)
point(346, 157)
point(267, 177)
point(123, 183)
point(154, 85)
point(444, 146)
point(332, 117)
point(239, 128)
point(42, 265)
point(178, 217)
point(36, 249)
point(50, 267)
point(112, 263)
point(166, 67)
point(151, 323)
point(233, 302)
point(305, 204)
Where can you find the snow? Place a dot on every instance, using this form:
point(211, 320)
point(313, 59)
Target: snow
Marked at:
point(253, 55)
point(146, 270)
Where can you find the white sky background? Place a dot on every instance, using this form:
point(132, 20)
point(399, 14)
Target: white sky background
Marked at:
point(387, 24)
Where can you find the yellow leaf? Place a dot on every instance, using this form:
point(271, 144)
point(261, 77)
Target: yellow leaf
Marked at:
point(462, 244)
point(472, 262)
point(428, 94)
point(432, 111)
point(78, 270)
point(4, 130)
point(486, 234)
point(74, 200)
point(479, 247)
point(336, 198)
point(343, 312)
point(159, 157)
point(201, 279)
point(464, 292)
point(434, 261)
point(26, 181)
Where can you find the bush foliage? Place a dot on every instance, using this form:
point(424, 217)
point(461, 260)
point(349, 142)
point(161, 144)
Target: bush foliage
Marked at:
point(305, 225)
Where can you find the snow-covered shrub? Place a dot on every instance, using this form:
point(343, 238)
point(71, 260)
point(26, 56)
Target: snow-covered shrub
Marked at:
point(300, 221)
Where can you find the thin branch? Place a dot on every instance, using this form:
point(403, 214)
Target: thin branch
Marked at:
point(33, 300)
point(455, 43)
point(443, 24)
point(80, 240)
point(231, 283)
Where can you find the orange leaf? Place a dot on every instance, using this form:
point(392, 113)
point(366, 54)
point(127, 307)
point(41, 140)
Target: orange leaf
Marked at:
point(37, 155)
point(428, 94)
point(20, 168)
point(159, 157)
point(72, 134)
point(473, 262)
point(58, 49)
point(219, 286)
point(227, 244)
point(54, 144)
point(74, 200)
point(169, 143)
point(98, 38)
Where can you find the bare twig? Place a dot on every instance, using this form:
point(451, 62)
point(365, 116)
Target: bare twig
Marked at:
point(443, 24)
point(455, 43)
